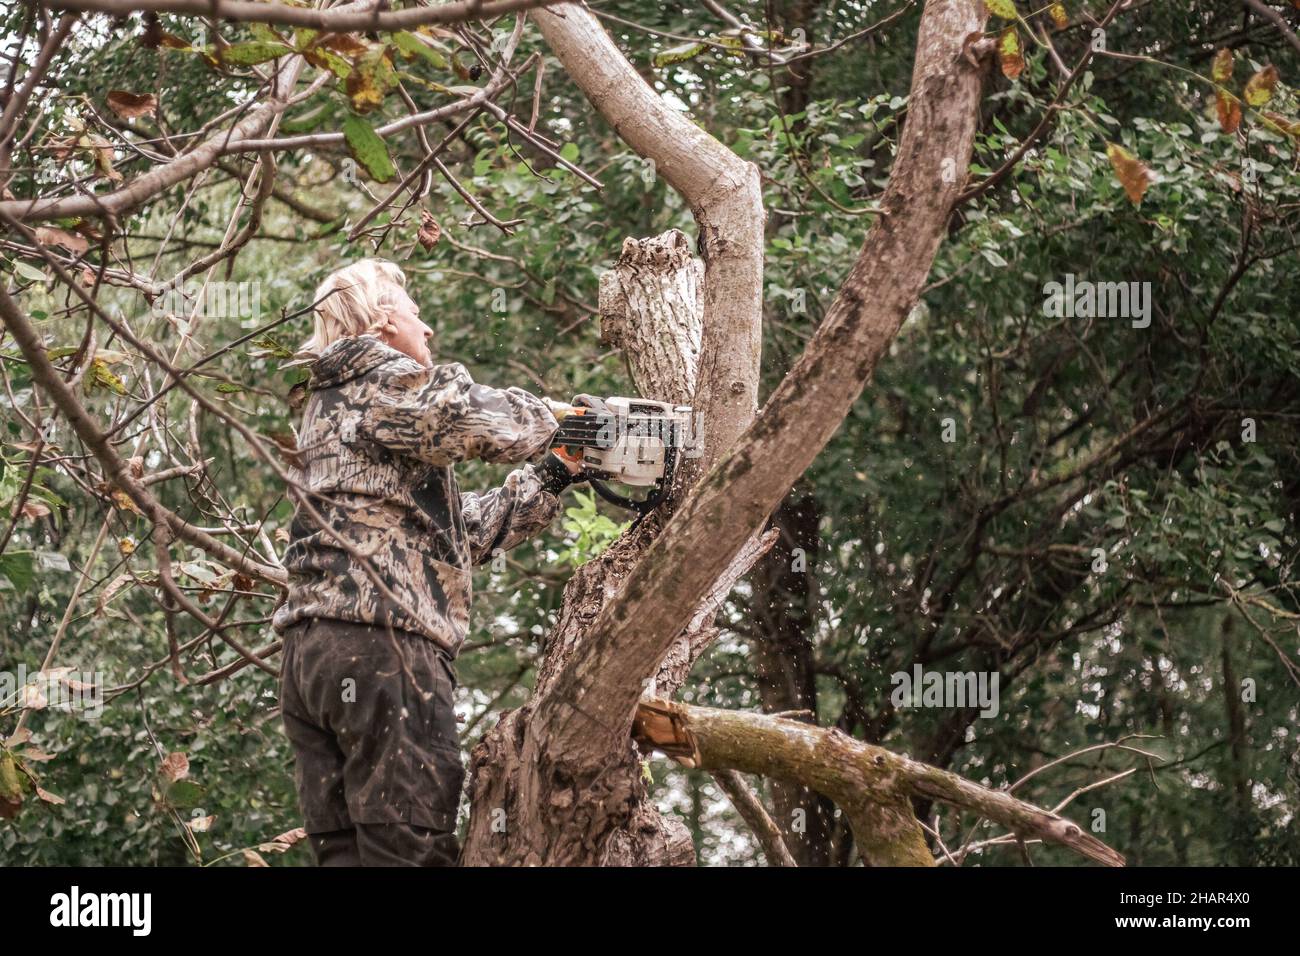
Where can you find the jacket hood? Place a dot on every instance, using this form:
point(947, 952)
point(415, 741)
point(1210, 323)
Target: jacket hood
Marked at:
point(349, 358)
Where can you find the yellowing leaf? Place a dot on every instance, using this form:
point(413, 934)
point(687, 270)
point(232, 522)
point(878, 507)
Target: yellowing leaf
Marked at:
point(329, 61)
point(1281, 124)
point(11, 787)
point(371, 79)
point(1132, 173)
point(1259, 88)
point(1060, 19)
point(1221, 67)
point(1010, 55)
point(123, 501)
point(101, 375)
point(102, 150)
point(676, 54)
point(1005, 9)
point(368, 149)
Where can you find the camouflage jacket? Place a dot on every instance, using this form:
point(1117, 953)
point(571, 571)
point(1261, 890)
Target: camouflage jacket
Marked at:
point(379, 436)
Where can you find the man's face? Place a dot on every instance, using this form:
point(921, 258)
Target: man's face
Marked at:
point(404, 331)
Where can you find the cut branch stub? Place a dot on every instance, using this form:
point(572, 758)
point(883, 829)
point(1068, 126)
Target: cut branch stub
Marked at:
point(652, 307)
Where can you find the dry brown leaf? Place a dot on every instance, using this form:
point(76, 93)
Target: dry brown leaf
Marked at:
point(289, 837)
point(1132, 173)
point(131, 105)
point(34, 508)
point(175, 766)
point(430, 232)
point(1229, 109)
point(50, 236)
point(115, 587)
point(344, 43)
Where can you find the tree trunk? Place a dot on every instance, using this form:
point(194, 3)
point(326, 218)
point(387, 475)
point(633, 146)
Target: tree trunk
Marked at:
point(559, 780)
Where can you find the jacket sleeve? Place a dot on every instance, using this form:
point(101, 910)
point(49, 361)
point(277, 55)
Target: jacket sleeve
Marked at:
point(440, 415)
point(504, 517)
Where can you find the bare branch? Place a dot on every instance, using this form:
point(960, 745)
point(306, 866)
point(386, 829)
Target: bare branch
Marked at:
point(281, 14)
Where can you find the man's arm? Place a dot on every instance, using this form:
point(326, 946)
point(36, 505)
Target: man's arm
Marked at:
point(440, 415)
point(499, 519)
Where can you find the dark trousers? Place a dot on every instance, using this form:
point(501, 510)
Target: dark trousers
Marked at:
point(369, 712)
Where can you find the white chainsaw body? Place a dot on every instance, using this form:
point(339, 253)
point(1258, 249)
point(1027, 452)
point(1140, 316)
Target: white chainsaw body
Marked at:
point(637, 439)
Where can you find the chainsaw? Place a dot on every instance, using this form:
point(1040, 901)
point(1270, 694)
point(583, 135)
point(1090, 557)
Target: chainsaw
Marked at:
point(634, 441)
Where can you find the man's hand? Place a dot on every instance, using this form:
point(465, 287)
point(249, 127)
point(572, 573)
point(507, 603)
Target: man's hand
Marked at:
point(574, 465)
point(596, 405)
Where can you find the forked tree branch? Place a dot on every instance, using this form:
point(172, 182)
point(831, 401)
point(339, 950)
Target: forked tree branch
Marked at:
point(639, 625)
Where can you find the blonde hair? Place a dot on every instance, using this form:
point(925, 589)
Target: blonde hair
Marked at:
point(352, 301)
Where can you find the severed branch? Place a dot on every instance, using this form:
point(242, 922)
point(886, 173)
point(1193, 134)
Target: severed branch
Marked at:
point(873, 786)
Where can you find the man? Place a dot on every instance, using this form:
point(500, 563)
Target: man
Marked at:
point(379, 559)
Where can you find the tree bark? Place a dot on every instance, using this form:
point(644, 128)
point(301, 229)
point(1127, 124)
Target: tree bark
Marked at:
point(724, 194)
point(559, 777)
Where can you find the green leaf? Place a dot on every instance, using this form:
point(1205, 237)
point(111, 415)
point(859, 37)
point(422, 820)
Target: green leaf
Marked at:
point(368, 149)
point(183, 794)
point(30, 273)
point(19, 567)
point(271, 344)
point(252, 52)
point(679, 54)
point(411, 46)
